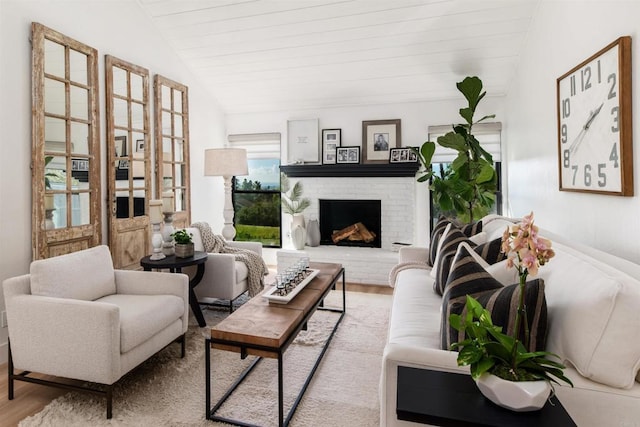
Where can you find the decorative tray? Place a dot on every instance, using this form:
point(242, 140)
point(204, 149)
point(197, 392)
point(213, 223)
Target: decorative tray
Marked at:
point(273, 294)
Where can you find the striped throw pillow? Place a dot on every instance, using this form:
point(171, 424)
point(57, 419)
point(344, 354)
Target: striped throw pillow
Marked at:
point(471, 229)
point(448, 248)
point(438, 229)
point(490, 251)
point(468, 277)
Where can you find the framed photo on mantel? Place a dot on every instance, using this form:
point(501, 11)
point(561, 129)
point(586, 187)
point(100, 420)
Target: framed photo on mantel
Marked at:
point(303, 145)
point(378, 138)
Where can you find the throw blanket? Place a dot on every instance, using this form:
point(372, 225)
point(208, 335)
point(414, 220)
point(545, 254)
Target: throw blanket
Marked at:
point(403, 266)
point(214, 243)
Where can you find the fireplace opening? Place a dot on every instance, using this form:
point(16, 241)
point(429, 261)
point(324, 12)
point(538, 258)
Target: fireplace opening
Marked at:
point(350, 223)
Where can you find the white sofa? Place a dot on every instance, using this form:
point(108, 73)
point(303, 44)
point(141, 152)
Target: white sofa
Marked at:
point(593, 303)
point(224, 277)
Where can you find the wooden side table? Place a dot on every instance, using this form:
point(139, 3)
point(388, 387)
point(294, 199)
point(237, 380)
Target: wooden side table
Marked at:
point(175, 265)
point(450, 399)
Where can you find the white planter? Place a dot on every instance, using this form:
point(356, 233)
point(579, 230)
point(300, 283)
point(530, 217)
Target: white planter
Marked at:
point(519, 396)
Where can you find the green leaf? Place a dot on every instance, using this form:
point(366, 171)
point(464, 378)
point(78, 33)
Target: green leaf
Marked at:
point(471, 88)
point(452, 140)
point(486, 173)
point(467, 114)
point(490, 116)
point(426, 151)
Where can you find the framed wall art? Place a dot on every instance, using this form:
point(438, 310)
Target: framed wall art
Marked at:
point(331, 139)
point(402, 155)
point(303, 145)
point(378, 138)
point(348, 155)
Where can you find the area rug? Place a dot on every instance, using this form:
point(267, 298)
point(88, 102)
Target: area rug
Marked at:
point(169, 391)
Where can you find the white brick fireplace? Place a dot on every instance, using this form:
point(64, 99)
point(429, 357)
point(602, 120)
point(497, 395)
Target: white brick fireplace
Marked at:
point(398, 216)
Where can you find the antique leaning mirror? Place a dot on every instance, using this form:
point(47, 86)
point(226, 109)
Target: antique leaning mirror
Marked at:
point(65, 145)
point(171, 104)
point(128, 160)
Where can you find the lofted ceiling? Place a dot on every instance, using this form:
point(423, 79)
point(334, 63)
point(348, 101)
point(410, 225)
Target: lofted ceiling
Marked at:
point(269, 55)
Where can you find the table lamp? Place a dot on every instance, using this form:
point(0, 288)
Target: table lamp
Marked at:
point(227, 163)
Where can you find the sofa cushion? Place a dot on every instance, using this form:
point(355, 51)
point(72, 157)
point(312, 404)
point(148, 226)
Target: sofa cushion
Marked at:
point(449, 244)
point(436, 233)
point(469, 277)
point(593, 317)
point(143, 316)
point(84, 275)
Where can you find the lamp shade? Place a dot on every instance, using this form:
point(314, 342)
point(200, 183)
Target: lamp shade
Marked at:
point(225, 162)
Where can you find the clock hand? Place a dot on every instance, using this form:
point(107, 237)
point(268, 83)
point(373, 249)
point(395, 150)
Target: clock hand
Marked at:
point(576, 142)
point(593, 116)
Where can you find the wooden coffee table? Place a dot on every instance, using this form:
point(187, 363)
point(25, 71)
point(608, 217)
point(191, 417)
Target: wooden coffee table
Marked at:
point(266, 330)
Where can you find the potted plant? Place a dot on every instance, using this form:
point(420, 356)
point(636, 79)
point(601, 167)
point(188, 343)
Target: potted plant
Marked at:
point(184, 243)
point(498, 362)
point(294, 204)
point(468, 186)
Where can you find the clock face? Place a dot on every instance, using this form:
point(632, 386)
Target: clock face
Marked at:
point(594, 123)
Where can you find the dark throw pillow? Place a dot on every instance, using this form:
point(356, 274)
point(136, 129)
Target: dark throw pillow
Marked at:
point(447, 252)
point(467, 277)
point(490, 251)
point(471, 229)
point(438, 229)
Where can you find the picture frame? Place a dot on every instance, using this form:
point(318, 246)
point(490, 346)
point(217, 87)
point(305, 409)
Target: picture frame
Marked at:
point(348, 155)
point(331, 139)
point(303, 144)
point(402, 155)
point(378, 138)
point(121, 145)
point(140, 146)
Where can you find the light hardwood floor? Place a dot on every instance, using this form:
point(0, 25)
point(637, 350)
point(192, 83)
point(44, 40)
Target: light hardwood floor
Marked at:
point(29, 398)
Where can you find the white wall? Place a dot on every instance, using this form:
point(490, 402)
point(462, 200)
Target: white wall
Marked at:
point(563, 34)
point(416, 117)
point(118, 28)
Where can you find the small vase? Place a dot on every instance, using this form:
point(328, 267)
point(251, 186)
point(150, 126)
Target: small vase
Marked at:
point(518, 396)
point(184, 250)
point(298, 237)
point(313, 233)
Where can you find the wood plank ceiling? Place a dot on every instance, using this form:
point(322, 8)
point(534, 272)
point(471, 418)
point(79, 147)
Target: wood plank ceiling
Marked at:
point(270, 55)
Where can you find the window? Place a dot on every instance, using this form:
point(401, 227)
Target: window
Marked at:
point(489, 135)
point(256, 197)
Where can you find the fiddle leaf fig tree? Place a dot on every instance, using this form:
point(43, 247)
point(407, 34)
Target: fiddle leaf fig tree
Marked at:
point(468, 186)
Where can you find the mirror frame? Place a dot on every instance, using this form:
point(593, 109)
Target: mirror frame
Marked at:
point(57, 241)
point(129, 237)
point(181, 219)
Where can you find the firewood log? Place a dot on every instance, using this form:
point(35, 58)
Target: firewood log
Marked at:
point(339, 235)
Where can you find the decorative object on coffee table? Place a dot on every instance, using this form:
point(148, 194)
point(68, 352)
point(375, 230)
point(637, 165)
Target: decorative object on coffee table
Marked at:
point(184, 244)
point(490, 352)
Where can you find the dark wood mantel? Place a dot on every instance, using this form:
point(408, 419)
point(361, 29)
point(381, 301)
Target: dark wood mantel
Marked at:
point(382, 170)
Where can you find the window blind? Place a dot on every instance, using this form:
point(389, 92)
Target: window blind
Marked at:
point(488, 134)
point(258, 145)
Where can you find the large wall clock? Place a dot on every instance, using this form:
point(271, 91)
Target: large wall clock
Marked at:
point(594, 123)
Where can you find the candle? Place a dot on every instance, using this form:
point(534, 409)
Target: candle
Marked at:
point(168, 204)
point(155, 211)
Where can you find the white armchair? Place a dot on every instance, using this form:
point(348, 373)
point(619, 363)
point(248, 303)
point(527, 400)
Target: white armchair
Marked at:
point(74, 316)
point(224, 277)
